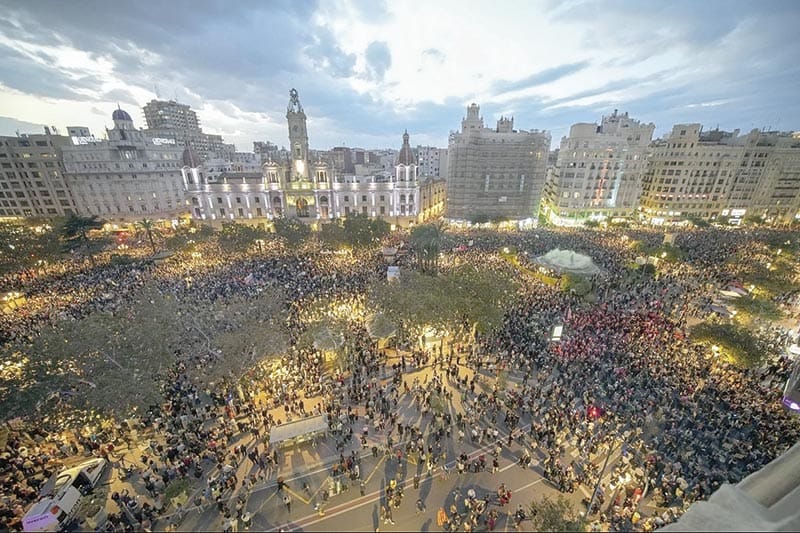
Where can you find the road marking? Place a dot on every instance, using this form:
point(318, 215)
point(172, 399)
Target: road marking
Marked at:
point(293, 493)
point(366, 500)
point(382, 459)
point(324, 482)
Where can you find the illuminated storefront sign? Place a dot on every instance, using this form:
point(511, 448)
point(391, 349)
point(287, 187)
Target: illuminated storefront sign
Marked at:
point(84, 140)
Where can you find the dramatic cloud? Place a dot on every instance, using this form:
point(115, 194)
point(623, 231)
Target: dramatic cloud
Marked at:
point(366, 70)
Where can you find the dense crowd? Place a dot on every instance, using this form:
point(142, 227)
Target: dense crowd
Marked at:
point(624, 378)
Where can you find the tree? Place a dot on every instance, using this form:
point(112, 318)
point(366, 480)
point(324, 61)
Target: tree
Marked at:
point(648, 269)
point(465, 296)
point(735, 343)
point(753, 220)
point(328, 337)
point(426, 241)
point(699, 222)
point(110, 363)
point(78, 226)
point(575, 284)
point(180, 241)
point(479, 218)
point(240, 237)
point(379, 327)
point(148, 226)
point(555, 515)
point(239, 333)
point(75, 231)
point(23, 246)
point(292, 230)
point(333, 234)
point(361, 230)
point(756, 308)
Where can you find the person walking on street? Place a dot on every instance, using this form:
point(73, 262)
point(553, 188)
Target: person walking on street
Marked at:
point(287, 501)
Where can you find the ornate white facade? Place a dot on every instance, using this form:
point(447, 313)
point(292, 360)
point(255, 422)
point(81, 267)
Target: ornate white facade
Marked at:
point(305, 189)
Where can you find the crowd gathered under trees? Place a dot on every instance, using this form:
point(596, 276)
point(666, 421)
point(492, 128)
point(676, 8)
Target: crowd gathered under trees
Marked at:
point(109, 342)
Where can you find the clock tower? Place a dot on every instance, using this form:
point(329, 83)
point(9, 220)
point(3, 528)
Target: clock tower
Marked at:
point(298, 138)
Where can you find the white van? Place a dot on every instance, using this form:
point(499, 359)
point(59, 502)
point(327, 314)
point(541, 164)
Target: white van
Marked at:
point(61, 495)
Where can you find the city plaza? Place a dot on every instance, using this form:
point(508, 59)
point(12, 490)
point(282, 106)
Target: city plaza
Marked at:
point(623, 417)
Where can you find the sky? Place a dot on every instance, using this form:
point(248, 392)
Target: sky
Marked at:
point(368, 70)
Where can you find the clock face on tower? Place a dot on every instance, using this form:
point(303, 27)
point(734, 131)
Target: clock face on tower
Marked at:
point(294, 128)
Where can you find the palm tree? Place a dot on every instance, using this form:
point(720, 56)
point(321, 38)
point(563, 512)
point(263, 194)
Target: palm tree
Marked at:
point(426, 241)
point(76, 228)
point(148, 225)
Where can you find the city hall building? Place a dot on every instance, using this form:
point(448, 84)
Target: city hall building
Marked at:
point(300, 187)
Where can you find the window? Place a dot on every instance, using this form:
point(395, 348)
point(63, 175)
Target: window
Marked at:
point(363, 197)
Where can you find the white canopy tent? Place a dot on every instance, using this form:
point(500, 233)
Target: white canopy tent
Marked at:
point(305, 427)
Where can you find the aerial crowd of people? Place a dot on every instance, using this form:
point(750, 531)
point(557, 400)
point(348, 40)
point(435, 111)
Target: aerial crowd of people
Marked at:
point(625, 379)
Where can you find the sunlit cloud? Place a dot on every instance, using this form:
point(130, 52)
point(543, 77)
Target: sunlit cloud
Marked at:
point(368, 70)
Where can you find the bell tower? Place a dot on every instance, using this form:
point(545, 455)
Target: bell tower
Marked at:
point(298, 138)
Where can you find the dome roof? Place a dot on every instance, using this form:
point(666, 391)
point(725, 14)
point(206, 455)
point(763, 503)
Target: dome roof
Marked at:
point(190, 158)
point(119, 114)
point(406, 155)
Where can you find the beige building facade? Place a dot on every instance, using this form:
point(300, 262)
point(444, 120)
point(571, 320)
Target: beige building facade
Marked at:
point(598, 171)
point(128, 177)
point(32, 182)
point(722, 176)
point(689, 174)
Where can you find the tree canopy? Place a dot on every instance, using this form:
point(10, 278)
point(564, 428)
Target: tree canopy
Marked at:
point(737, 344)
point(555, 515)
point(426, 241)
point(115, 362)
point(23, 247)
point(104, 361)
point(361, 230)
point(239, 237)
point(292, 230)
point(75, 232)
point(465, 295)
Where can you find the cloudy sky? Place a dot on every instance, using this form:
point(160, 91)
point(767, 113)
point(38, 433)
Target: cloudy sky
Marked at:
point(368, 70)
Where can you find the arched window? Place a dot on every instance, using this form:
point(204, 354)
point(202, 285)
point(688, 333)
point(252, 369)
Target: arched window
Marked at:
point(301, 207)
point(323, 207)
